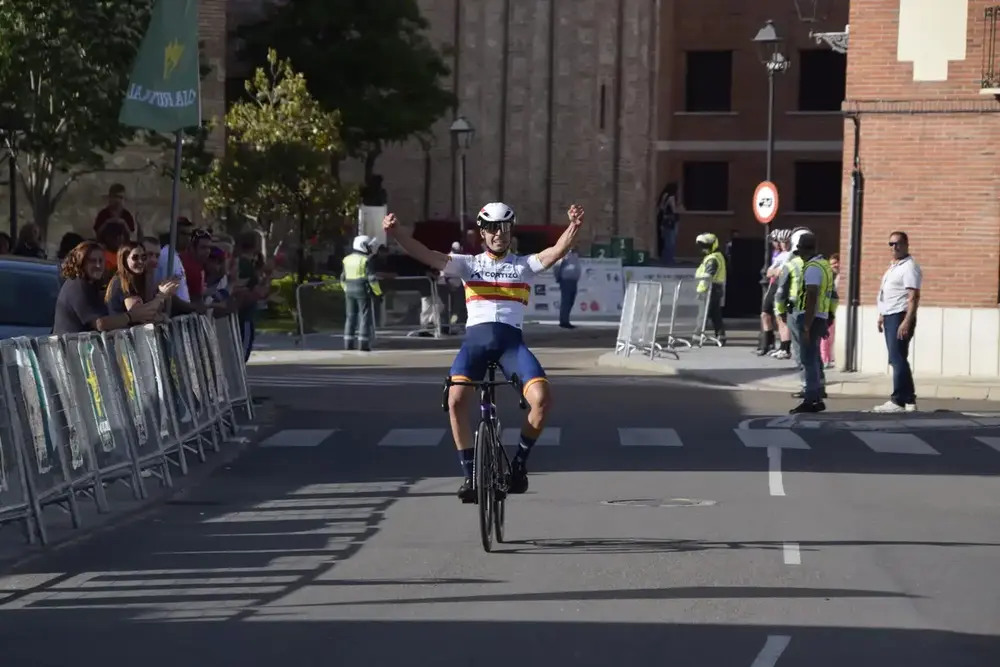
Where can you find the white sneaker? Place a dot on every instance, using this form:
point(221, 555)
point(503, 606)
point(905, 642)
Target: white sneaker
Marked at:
point(911, 407)
point(781, 354)
point(889, 408)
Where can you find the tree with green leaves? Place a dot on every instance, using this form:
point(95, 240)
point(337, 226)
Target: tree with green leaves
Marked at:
point(371, 61)
point(280, 148)
point(64, 69)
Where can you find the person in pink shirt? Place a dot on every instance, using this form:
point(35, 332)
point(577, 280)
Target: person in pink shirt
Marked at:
point(826, 344)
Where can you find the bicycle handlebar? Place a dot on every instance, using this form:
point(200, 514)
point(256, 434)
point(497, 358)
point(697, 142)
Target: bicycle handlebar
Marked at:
point(514, 381)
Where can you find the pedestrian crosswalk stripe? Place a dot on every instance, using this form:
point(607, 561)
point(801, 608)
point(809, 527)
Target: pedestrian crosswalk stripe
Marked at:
point(413, 437)
point(298, 438)
point(894, 443)
point(649, 437)
point(550, 437)
point(993, 442)
point(780, 438)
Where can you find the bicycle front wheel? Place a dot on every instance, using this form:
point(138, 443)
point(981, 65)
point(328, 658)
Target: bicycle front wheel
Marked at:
point(485, 490)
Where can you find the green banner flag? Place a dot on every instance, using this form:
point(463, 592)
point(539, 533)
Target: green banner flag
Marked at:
point(164, 91)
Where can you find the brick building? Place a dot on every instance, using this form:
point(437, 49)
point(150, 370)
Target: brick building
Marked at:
point(546, 97)
point(926, 149)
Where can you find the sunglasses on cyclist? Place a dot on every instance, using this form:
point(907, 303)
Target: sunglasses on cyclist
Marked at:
point(495, 227)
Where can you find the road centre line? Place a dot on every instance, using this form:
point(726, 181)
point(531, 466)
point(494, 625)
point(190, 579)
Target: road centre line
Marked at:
point(774, 480)
point(791, 553)
point(773, 648)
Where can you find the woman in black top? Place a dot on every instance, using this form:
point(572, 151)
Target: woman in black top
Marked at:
point(80, 305)
point(132, 287)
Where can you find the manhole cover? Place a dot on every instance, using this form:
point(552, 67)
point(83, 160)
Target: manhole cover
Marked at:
point(660, 502)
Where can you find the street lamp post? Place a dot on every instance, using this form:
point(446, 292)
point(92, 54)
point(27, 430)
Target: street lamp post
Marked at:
point(462, 134)
point(769, 49)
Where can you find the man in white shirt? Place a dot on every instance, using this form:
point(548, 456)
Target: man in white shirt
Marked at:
point(898, 299)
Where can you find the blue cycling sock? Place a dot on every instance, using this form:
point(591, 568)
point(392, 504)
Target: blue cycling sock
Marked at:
point(524, 449)
point(465, 457)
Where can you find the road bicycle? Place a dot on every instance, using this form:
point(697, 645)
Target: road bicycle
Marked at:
point(491, 465)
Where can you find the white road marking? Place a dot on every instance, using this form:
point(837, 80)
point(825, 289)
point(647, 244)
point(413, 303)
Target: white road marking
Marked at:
point(773, 648)
point(778, 438)
point(298, 438)
point(790, 552)
point(413, 437)
point(895, 443)
point(989, 441)
point(774, 481)
point(549, 438)
point(649, 437)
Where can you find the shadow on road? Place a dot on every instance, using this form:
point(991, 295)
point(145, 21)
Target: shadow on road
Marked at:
point(293, 639)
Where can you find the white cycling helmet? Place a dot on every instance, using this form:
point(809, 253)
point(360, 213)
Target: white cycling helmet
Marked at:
point(362, 244)
point(796, 235)
point(496, 213)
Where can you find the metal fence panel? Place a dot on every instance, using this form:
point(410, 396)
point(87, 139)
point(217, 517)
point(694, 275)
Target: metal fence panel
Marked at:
point(78, 412)
point(640, 318)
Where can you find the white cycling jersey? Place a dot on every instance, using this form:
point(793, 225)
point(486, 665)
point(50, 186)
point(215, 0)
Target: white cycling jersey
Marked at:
point(497, 289)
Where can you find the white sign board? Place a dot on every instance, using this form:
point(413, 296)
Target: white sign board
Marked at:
point(600, 291)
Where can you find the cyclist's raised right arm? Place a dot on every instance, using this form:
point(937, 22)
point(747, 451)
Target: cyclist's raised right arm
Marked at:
point(414, 248)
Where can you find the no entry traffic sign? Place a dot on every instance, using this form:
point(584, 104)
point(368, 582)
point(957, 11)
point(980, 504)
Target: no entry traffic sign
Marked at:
point(765, 202)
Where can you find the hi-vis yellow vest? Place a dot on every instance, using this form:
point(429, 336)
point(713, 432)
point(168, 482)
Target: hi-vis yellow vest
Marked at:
point(794, 287)
point(720, 273)
point(825, 297)
point(356, 274)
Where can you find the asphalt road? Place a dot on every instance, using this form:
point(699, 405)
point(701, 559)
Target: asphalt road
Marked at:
point(343, 544)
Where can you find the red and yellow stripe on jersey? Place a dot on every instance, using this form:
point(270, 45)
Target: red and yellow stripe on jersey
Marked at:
point(481, 290)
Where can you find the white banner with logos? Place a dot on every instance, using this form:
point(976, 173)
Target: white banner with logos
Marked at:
point(599, 293)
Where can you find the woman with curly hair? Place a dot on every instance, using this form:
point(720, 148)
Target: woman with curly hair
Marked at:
point(132, 285)
point(80, 306)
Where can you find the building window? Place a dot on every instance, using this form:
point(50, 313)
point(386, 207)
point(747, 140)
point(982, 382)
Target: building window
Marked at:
point(822, 79)
point(705, 186)
point(817, 187)
point(708, 81)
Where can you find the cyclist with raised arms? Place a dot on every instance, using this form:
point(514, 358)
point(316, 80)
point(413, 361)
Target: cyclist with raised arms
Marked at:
point(497, 289)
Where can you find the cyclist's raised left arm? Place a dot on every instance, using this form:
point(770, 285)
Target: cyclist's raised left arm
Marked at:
point(553, 254)
point(414, 248)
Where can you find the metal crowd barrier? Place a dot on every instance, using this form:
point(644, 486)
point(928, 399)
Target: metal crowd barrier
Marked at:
point(79, 413)
point(673, 302)
point(640, 319)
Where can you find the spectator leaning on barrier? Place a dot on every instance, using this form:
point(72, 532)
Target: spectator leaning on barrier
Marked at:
point(567, 274)
point(711, 277)
point(193, 258)
point(131, 290)
point(80, 306)
point(184, 229)
point(898, 300)
point(359, 282)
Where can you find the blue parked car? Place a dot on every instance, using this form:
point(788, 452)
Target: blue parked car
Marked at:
point(28, 292)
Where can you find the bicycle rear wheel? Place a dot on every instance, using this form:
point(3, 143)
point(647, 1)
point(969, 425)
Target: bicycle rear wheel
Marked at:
point(485, 494)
